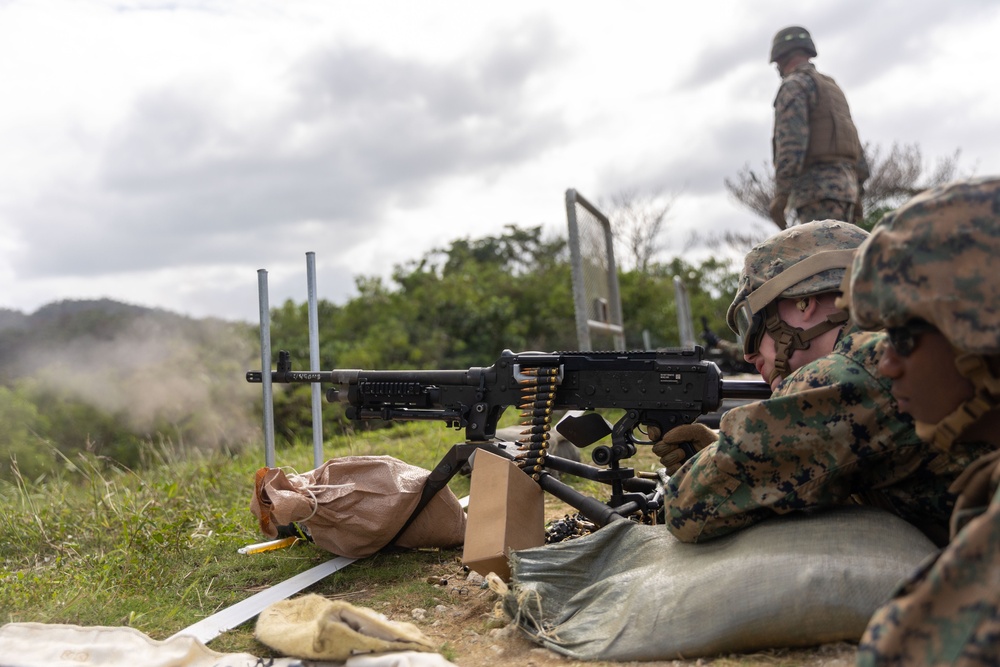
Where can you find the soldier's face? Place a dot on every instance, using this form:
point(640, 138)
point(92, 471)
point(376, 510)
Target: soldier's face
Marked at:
point(763, 359)
point(925, 382)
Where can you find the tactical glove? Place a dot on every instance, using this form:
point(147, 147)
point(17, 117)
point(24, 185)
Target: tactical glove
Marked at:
point(670, 446)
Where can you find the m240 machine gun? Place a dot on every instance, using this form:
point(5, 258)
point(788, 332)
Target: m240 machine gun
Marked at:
point(664, 388)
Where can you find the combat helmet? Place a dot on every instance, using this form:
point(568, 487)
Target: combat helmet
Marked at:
point(789, 39)
point(931, 260)
point(800, 261)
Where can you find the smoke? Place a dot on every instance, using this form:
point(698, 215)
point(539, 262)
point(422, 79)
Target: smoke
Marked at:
point(166, 376)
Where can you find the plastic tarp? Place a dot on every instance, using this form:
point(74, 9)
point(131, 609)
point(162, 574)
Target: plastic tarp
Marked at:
point(634, 592)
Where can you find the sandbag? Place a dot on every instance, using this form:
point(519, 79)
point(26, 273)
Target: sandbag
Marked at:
point(354, 505)
point(316, 628)
point(634, 592)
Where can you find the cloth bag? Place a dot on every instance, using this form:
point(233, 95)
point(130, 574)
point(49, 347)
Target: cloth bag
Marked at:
point(354, 505)
point(634, 592)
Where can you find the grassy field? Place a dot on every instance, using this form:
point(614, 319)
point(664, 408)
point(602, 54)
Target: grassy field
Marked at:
point(156, 550)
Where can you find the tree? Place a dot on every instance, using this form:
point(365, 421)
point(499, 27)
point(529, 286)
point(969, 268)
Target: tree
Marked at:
point(895, 176)
point(637, 220)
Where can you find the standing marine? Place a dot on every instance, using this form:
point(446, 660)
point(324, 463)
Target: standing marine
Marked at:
point(819, 161)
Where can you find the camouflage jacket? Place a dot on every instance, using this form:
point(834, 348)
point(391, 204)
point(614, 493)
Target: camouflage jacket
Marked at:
point(948, 613)
point(829, 435)
point(805, 185)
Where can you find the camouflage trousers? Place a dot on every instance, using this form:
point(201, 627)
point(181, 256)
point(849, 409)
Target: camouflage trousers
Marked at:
point(826, 209)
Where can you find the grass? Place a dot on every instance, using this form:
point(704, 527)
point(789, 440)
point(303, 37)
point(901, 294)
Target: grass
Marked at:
point(156, 549)
point(92, 544)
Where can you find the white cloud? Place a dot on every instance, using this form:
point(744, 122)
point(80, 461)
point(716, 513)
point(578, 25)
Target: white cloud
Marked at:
point(161, 152)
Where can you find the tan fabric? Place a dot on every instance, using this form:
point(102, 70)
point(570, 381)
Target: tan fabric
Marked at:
point(832, 135)
point(55, 645)
point(354, 505)
point(315, 628)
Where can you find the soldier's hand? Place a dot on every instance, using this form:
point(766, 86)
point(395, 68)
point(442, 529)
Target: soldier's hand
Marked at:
point(669, 446)
point(777, 210)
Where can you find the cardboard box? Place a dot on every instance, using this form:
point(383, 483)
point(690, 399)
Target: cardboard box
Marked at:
point(506, 513)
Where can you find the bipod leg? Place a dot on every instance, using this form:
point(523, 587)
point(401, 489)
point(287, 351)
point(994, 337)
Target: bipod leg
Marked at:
point(449, 465)
point(593, 509)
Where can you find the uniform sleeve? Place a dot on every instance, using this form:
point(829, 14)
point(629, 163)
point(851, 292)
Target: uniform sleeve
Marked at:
point(791, 131)
point(800, 448)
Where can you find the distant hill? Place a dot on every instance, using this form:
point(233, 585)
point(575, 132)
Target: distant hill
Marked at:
point(11, 319)
point(112, 378)
point(74, 327)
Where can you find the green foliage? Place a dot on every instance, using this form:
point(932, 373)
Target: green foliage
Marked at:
point(649, 304)
point(460, 307)
point(873, 217)
point(115, 380)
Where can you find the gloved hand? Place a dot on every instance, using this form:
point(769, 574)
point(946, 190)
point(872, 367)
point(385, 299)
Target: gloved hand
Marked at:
point(777, 210)
point(669, 446)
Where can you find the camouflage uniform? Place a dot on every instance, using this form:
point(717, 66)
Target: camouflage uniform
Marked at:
point(932, 260)
point(947, 612)
point(829, 435)
point(822, 190)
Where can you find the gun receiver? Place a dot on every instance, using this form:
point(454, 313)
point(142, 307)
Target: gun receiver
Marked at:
point(664, 388)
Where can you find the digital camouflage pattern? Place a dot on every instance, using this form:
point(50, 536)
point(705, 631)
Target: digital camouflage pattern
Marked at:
point(787, 248)
point(826, 209)
point(830, 435)
point(948, 613)
point(933, 259)
point(836, 180)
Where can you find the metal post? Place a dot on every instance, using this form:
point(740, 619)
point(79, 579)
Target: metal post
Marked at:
point(615, 297)
point(576, 266)
point(317, 402)
point(685, 324)
point(265, 365)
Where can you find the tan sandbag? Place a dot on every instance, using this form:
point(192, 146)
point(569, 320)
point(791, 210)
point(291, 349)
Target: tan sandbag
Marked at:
point(354, 505)
point(315, 628)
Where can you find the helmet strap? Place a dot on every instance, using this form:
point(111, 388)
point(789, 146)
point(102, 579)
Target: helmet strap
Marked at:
point(977, 369)
point(788, 339)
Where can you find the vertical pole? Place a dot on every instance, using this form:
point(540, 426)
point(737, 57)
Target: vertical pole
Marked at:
point(576, 266)
point(265, 366)
point(614, 295)
point(317, 403)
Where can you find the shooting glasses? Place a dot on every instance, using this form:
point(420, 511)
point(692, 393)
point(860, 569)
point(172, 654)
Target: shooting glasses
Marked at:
point(751, 313)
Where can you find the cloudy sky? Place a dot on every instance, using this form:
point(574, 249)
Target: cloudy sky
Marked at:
point(160, 152)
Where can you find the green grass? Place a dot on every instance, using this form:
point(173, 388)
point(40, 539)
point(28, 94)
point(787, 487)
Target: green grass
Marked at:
point(156, 548)
point(92, 544)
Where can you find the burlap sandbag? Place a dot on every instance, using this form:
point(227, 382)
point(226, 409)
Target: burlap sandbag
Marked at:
point(316, 628)
point(354, 505)
point(633, 592)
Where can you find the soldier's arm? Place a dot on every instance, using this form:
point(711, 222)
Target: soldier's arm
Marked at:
point(791, 132)
point(802, 448)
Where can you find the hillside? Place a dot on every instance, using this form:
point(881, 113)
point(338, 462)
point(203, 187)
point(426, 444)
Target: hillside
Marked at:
point(109, 377)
